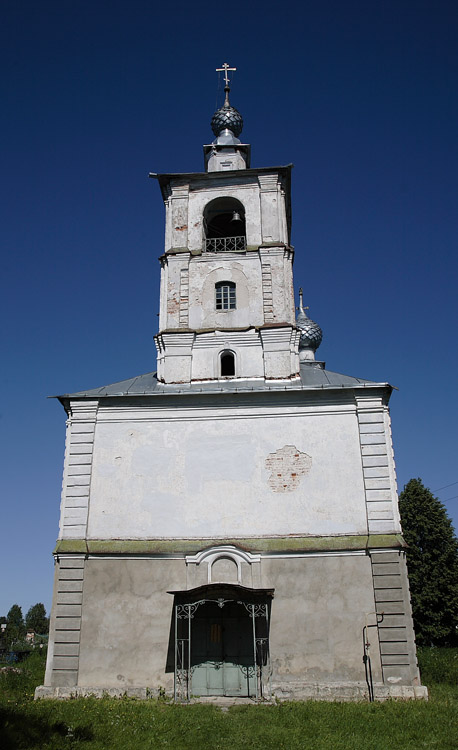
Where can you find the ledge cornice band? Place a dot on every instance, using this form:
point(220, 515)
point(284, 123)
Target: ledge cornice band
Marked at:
point(260, 544)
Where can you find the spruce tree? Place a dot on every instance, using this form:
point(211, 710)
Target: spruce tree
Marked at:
point(432, 560)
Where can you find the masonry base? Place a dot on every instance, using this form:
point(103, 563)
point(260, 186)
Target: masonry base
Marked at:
point(351, 691)
point(338, 692)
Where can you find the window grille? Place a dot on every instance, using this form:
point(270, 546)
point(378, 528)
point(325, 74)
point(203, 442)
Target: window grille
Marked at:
point(225, 295)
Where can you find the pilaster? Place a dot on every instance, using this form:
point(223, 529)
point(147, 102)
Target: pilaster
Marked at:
point(178, 208)
point(378, 466)
point(394, 618)
point(79, 445)
point(174, 360)
point(277, 284)
point(174, 307)
point(65, 627)
point(278, 346)
point(272, 225)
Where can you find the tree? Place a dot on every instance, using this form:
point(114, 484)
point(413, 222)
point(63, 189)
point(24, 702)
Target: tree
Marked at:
point(15, 628)
point(36, 619)
point(432, 560)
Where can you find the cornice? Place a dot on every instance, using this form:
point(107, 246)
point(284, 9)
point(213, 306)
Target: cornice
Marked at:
point(181, 547)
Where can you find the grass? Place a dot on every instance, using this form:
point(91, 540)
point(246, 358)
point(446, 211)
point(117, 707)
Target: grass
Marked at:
point(137, 725)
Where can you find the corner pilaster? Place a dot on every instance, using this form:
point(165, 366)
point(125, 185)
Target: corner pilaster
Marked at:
point(174, 357)
point(79, 446)
point(378, 466)
point(65, 627)
point(280, 351)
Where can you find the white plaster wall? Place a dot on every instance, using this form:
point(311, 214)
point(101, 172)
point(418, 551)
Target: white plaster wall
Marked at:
point(205, 272)
point(246, 346)
point(180, 474)
point(245, 271)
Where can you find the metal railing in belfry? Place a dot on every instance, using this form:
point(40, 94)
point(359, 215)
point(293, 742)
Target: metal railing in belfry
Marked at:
point(225, 244)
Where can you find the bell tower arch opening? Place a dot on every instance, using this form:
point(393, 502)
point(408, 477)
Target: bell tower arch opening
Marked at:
point(224, 226)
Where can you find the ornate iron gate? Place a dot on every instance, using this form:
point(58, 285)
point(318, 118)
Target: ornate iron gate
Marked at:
point(258, 673)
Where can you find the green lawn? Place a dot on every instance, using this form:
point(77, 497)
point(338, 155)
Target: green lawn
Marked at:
point(133, 725)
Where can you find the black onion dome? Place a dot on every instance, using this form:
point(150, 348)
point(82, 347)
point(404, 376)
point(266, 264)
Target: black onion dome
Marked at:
point(227, 117)
point(311, 333)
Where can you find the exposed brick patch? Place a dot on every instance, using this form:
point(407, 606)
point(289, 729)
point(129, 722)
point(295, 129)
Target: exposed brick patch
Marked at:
point(267, 295)
point(287, 466)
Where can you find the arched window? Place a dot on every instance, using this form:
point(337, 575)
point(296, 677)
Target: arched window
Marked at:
point(224, 225)
point(227, 360)
point(225, 298)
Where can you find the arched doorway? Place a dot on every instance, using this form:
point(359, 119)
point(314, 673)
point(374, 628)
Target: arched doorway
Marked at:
point(222, 641)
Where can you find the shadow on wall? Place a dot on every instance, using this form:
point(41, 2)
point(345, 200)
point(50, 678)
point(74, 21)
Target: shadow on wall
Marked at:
point(170, 660)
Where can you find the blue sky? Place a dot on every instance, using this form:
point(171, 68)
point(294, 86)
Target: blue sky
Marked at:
point(360, 95)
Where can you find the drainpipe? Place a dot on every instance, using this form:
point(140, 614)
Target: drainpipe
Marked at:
point(366, 652)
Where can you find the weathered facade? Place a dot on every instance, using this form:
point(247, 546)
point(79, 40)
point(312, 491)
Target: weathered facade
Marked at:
point(229, 524)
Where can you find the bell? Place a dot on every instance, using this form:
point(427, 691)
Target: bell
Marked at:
point(236, 216)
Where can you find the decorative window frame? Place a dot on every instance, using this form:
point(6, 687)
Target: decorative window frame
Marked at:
point(228, 551)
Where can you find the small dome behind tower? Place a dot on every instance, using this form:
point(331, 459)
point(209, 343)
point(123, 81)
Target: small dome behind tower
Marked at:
point(311, 333)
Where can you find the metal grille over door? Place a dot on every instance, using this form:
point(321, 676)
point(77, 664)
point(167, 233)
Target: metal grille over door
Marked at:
point(222, 644)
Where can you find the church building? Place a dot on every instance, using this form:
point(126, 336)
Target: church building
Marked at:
point(229, 524)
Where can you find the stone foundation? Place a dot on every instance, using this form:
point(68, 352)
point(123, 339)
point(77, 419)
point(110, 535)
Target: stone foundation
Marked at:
point(330, 692)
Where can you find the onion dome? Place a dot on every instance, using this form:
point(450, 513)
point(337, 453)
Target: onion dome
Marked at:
point(227, 118)
point(311, 333)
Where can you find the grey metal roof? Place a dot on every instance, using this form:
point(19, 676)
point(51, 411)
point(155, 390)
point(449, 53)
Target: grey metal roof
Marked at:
point(313, 376)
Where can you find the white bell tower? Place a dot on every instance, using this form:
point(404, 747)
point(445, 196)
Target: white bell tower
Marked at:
point(226, 299)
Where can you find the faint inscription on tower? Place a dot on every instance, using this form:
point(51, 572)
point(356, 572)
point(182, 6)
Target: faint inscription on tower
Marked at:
point(287, 466)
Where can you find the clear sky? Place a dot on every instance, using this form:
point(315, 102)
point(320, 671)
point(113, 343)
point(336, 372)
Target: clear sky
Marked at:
point(359, 94)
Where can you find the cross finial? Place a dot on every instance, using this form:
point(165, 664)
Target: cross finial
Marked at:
point(227, 88)
point(225, 69)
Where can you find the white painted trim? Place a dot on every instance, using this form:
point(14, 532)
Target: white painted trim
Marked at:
point(208, 413)
point(224, 550)
point(381, 550)
point(255, 558)
point(228, 551)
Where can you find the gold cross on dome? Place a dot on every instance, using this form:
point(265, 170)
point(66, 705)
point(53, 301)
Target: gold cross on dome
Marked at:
point(225, 69)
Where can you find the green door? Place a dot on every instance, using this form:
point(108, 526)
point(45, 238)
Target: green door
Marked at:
point(222, 657)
